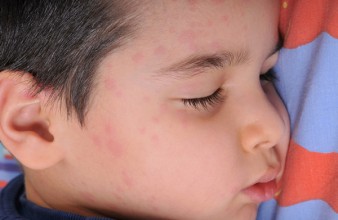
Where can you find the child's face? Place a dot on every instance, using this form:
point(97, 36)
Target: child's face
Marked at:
point(146, 152)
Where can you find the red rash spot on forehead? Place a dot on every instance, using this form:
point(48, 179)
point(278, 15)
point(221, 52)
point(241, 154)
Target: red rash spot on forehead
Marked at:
point(193, 4)
point(188, 38)
point(209, 23)
point(215, 45)
point(217, 2)
point(160, 50)
point(225, 18)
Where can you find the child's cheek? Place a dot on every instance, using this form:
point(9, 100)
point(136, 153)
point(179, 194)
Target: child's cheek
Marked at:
point(112, 143)
point(127, 180)
point(112, 86)
point(105, 141)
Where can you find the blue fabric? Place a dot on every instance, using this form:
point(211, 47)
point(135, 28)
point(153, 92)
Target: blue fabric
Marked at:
point(9, 168)
point(14, 206)
point(309, 88)
point(308, 84)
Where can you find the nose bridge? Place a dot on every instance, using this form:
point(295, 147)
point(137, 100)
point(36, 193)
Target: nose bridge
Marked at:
point(262, 124)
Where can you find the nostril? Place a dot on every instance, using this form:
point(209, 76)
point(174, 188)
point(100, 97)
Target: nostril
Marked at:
point(256, 136)
point(251, 136)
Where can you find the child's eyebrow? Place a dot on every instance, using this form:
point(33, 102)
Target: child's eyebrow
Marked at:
point(194, 65)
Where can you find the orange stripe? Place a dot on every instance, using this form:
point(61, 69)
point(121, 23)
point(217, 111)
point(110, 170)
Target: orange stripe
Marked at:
point(9, 157)
point(3, 184)
point(301, 21)
point(308, 176)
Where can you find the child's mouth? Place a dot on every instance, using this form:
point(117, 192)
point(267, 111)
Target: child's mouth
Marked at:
point(262, 191)
point(265, 188)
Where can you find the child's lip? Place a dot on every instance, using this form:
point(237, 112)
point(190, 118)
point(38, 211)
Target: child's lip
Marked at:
point(261, 192)
point(263, 189)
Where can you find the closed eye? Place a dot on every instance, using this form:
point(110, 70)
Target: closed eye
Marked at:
point(205, 102)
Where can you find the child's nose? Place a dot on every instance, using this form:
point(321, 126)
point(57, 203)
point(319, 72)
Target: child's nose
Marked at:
point(262, 125)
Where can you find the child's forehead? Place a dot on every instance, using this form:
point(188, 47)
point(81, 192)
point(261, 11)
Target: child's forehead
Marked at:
point(175, 30)
point(174, 23)
point(189, 20)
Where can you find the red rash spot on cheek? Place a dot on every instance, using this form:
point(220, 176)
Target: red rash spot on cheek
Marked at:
point(138, 57)
point(114, 147)
point(89, 197)
point(96, 140)
point(225, 19)
point(155, 138)
point(111, 85)
point(155, 119)
point(142, 130)
point(108, 129)
point(127, 179)
point(209, 23)
point(105, 140)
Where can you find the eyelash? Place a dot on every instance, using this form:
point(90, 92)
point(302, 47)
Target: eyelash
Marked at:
point(216, 97)
point(205, 102)
point(269, 76)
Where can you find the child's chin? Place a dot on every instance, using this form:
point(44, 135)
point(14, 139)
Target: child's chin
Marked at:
point(248, 212)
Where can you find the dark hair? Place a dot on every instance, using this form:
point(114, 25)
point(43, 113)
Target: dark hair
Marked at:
point(61, 42)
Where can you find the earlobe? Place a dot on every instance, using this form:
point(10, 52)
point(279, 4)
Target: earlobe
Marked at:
point(24, 126)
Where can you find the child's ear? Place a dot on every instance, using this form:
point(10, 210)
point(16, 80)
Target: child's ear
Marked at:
point(24, 125)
